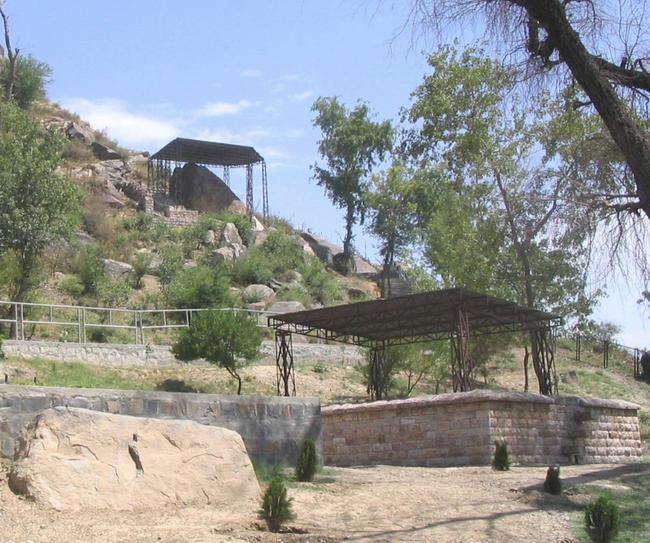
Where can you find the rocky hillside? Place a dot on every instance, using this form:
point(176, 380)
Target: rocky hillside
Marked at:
point(122, 256)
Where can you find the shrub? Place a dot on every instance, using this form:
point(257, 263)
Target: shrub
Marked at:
point(175, 385)
point(32, 76)
point(113, 293)
point(296, 293)
point(141, 264)
point(171, 262)
point(73, 286)
point(602, 520)
point(254, 268)
point(283, 251)
point(320, 284)
point(200, 287)
point(276, 506)
point(501, 460)
point(75, 150)
point(307, 461)
point(553, 483)
point(89, 267)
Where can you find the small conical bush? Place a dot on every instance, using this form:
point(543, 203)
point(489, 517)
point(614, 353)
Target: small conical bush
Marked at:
point(602, 520)
point(501, 460)
point(276, 505)
point(307, 461)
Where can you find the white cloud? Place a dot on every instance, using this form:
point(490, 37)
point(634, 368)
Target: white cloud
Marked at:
point(295, 133)
point(130, 129)
point(251, 72)
point(301, 96)
point(225, 135)
point(289, 77)
point(218, 108)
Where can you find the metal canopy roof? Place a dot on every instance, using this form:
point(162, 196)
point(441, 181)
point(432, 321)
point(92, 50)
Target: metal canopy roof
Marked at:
point(208, 152)
point(414, 318)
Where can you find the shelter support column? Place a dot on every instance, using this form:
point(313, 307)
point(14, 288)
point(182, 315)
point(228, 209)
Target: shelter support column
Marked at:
point(461, 362)
point(286, 375)
point(249, 189)
point(378, 373)
point(543, 351)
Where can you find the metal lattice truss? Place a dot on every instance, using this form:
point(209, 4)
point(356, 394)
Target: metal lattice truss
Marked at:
point(181, 151)
point(451, 314)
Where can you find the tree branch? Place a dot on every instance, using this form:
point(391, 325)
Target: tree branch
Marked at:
point(12, 54)
point(621, 75)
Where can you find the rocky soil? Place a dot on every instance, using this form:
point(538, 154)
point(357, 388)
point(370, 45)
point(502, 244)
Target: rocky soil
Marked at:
point(375, 504)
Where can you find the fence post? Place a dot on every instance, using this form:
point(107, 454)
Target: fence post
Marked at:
point(605, 354)
point(578, 346)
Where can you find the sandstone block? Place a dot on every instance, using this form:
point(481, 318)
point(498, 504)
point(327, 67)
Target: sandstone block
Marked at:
point(74, 459)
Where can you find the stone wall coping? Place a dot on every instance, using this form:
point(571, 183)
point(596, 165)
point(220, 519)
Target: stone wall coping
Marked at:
point(27, 391)
point(476, 396)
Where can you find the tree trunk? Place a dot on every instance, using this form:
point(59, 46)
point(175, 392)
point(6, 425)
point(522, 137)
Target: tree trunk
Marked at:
point(627, 134)
point(526, 360)
point(349, 224)
point(12, 55)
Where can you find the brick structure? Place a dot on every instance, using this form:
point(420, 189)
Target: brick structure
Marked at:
point(460, 429)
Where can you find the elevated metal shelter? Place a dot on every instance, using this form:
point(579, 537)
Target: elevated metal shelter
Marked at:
point(207, 153)
point(448, 314)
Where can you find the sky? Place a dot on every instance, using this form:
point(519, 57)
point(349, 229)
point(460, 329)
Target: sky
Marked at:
point(245, 72)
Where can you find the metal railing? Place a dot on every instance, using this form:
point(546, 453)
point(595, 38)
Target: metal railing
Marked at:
point(20, 316)
point(606, 347)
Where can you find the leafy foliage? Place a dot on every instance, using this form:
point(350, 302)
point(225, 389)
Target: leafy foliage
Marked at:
point(276, 505)
point(199, 287)
point(141, 264)
point(32, 77)
point(307, 461)
point(351, 146)
point(602, 520)
point(38, 207)
point(501, 460)
point(225, 338)
point(89, 267)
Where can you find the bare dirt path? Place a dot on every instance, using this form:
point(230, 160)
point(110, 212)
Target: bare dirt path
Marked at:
point(374, 504)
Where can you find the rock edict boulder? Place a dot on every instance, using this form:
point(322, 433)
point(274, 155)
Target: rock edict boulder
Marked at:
point(73, 459)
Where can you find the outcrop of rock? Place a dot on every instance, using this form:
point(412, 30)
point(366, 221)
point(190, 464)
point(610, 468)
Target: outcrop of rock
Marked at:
point(286, 307)
point(326, 251)
point(103, 152)
point(116, 269)
point(75, 131)
point(258, 293)
point(198, 188)
point(73, 459)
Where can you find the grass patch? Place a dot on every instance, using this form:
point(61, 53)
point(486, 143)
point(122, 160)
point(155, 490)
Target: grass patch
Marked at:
point(77, 375)
point(634, 504)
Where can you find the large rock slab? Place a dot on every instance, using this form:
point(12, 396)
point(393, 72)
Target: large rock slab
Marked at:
point(116, 269)
point(202, 190)
point(73, 459)
point(286, 307)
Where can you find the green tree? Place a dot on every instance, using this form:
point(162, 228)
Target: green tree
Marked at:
point(351, 146)
point(31, 79)
point(505, 214)
point(392, 206)
point(228, 339)
point(37, 206)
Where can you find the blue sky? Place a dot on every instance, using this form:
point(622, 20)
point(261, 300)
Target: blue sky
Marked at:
point(240, 72)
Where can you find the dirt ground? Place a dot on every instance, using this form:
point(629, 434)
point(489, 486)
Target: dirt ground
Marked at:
point(372, 504)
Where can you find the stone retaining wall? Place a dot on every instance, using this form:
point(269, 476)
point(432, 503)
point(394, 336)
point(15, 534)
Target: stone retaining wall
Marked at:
point(460, 429)
point(273, 428)
point(118, 355)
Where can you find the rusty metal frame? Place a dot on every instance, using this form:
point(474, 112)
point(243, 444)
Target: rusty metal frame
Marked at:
point(285, 370)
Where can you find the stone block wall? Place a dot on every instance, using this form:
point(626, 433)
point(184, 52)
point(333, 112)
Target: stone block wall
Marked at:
point(116, 355)
point(180, 217)
point(460, 429)
point(273, 428)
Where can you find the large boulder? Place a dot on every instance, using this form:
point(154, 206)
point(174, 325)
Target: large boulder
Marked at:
point(198, 188)
point(73, 459)
point(75, 131)
point(103, 152)
point(258, 293)
point(116, 269)
point(286, 307)
point(230, 234)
